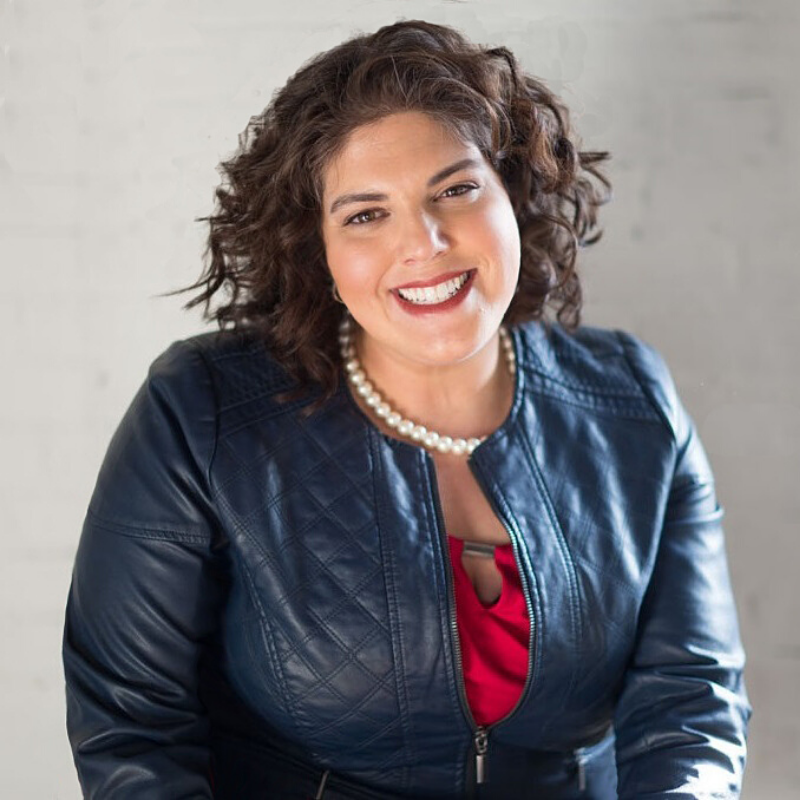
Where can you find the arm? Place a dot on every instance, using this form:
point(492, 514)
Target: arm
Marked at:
point(682, 716)
point(145, 596)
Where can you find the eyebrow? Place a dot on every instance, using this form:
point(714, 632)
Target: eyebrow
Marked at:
point(370, 197)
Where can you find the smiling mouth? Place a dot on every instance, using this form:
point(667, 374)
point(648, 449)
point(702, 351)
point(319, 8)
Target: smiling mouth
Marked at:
point(432, 295)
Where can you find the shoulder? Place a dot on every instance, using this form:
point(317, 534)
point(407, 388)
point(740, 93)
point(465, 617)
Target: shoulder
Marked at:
point(603, 368)
point(158, 464)
point(234, 366)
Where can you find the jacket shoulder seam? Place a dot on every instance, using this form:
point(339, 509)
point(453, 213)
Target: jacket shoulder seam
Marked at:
point(164, 533)
point(629, 406)
point(643, 384)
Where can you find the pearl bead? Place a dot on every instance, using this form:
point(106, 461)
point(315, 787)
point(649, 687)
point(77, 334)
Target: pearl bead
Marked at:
point(431, 439)
point(418, 433)
point(405, 427)
point(445, 444)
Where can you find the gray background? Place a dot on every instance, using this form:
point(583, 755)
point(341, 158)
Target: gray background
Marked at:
point(113, 116)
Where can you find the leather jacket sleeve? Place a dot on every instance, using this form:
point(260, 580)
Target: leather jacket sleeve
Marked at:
point(682, 716)
point(143, 596)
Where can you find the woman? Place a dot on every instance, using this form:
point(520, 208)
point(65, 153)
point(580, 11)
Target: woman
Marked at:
point(487, 564)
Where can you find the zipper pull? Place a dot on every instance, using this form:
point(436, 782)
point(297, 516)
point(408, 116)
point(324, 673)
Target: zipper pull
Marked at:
point(581, 763)
point(481, 746)
point(321, 787)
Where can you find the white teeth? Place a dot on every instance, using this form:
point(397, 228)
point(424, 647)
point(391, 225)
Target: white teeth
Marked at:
point(434, 294)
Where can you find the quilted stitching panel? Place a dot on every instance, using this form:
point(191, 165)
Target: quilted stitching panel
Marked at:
point(309, 537)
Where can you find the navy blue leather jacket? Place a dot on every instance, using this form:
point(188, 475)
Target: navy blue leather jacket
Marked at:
point(261, 604)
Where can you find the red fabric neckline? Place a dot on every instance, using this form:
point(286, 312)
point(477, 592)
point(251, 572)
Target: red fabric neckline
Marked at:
point(494, 639)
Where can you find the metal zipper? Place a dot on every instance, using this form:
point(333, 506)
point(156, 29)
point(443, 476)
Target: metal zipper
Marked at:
point(480, 733)
point(481, 741)
point(580, 762)
point(526, 593)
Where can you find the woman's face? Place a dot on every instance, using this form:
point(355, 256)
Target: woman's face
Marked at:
point(421, 240)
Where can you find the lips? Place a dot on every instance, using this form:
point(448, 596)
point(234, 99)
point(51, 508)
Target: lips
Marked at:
point(445, 276)
point(435, 296)
point(434, 292)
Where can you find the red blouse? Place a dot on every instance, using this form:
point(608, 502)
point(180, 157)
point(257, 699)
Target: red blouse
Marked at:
point(494, 639)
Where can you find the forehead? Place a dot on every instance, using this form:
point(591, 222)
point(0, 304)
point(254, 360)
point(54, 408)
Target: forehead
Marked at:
point(399, 145)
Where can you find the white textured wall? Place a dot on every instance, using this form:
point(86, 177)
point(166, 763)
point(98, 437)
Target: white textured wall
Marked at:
point(113, 116)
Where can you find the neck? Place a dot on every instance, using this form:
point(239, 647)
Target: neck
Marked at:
point(468, 399)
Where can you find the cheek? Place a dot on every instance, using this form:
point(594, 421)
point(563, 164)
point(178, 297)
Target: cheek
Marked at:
point(502, 236)
point(513, 244)
point(353, 264)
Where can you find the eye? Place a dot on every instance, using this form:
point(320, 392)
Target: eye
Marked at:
point(458, 190)
point(362, 217)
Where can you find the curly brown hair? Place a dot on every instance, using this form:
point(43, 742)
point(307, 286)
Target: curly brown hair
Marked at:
point(265, 242)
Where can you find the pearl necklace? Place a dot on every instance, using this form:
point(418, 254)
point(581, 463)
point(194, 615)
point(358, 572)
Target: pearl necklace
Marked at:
point(406, 427)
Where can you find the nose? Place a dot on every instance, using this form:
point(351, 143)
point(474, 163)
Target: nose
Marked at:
point(423, 237)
